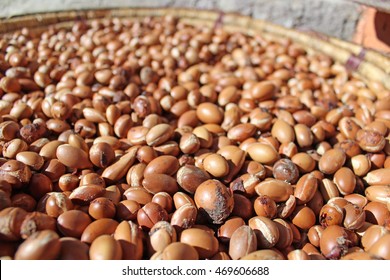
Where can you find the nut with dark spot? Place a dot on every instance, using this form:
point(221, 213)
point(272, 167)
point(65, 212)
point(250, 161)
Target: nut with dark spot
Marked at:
point(214, 200)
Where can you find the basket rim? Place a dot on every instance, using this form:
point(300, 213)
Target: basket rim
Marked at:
point(370, 64)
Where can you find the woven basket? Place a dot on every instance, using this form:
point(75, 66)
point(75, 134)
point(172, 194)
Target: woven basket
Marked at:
point(369, 65)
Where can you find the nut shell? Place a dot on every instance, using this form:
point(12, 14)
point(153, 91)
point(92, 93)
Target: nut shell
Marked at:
point(41, 245)
point(214, 200)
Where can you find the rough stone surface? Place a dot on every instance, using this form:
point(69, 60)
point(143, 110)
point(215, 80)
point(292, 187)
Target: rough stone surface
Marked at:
point(332, 17)
point(336, 18)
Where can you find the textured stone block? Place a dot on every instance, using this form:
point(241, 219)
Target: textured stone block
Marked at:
point(333, 17)
point(336, 18)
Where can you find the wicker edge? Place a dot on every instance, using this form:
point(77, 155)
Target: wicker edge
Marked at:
point(375, 57)
point(372, 66)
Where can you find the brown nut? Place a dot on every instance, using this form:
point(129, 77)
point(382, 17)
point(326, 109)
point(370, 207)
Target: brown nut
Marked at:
point(331, 161)
point(277, 190)
point(36, 221)
point(226, 230)
point(245, 184)
point(189, 143)
point(11, 220)
point(285, 234)
point(361, 165)
point(285, 170)
point(285, 209)
point(189, 177)
point(48, 150)
point(168, 148)
point(378, 177)
point(159, 134)
point(185, 216)
point(180, 199)
point(263, 90)
point(254, 168)
point(304, 162)
point(73, 249)
point(242, 242)
point(101, 207)
point(5, 200)
point(265, 254)
point(15, 173)
point(39, 185)
point(263, 153)
point(298, 254)
point(57, 203)
point(8, 130)
point(155, 183)
point(203, 241)
point(93, 179)
point(314, 235)
point(303, 217)
point(118, 169)
point(379, 193)
point(381, 248)
point(282, 131)
point(13, 147)
point(83, 195)
point(377, 213)
point(241, 132)
point(370, 141)
point(33, 132)
point(216, 165)
point(105, 247)
point(371, 236)
point(140, 195)
point(41, 245)
point(130, 238)
point(137, 135)
point(123, 125)
point(161, 235)
point(73, 157)
point(135, 175)
point(345, 180)
point(180, 251)
point(101, 154)
point(165, 164)
point(266, 231)
point(305, 188)
point(235, 158)
point(331, 214)
point(31, 159)
point(357, 199)
point(209, 113)
point(72, 223)
point(114, 193)
point(214, 200)
point(354, 217)
point(165, 200)
point(358, 255)
point(146, 154)
point(228, 95)
point(98, 228)
point(127, 210)
point(303, 135)
point(150, 214)
point(243, 207)
point(265, 206)
point(334, 242)
point(205, 137)
point(328, 189)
